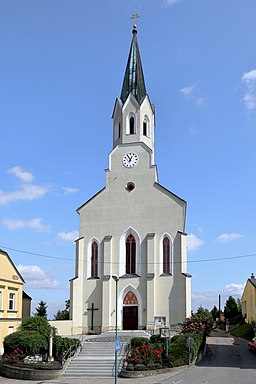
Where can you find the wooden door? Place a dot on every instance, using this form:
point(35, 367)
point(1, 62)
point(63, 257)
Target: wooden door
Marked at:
point(130, 318)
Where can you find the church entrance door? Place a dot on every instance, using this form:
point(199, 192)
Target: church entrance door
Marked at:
point(130, 317)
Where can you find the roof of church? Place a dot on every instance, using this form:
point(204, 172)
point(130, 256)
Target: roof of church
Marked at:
point(134, 79)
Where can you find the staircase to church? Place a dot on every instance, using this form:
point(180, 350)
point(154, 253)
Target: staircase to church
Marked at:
point(97, 355)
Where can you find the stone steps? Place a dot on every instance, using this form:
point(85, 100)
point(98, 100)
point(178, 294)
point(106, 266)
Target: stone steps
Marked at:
point(97, 355)
point(96, 359)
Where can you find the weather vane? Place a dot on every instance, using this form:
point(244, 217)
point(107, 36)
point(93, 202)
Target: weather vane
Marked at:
point(134, 17)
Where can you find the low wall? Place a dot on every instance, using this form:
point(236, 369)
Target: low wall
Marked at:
point(63, 326)
point(29, 374)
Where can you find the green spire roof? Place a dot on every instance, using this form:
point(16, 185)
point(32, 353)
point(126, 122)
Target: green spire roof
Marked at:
point(133, 79)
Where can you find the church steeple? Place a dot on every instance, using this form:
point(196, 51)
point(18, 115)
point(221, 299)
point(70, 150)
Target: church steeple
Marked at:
point(134, 79)
point(133, 116)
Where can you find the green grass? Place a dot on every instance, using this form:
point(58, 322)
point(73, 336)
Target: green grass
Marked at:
point(245, 331)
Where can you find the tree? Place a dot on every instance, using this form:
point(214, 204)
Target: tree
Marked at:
point(239, 305)
point(41, 310)
point(215, 313)
point(203, 313)
point(64, 314)
point(230, 309)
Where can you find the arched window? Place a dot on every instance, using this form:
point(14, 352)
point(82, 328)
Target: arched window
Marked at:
point(145, 127)
point(130, 298)
point(166, 255)
point(130, 255)
point(94, 260)
point(132, 125)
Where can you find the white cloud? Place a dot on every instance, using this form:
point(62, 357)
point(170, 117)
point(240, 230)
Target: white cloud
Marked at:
point(249, 81)
point(207, 299)
point(228, 237)
point(234, 289)
point(37, 278)
point(69, 190)
point(187, 91)
point(68, 236)
point(193, 242)
point(191, 92)
point(35, 224)
point(21, 174)
point(26, 190)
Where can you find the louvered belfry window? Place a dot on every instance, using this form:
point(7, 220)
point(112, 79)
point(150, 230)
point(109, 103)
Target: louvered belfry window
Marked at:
point(94, 260)
point(132, 125)
point(166, 255)
point(130, 255)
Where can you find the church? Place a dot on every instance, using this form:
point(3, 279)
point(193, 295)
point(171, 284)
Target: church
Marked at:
point(131, 255)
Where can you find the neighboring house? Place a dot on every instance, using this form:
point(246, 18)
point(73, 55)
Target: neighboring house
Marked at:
point(249, 300)
point(26, 305)
point(132, 239)
point(11, 288)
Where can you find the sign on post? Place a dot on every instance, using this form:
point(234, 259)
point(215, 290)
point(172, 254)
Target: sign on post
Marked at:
point(190, 342)
point(118, 345)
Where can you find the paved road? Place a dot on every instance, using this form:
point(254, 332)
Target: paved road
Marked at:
point(227, 362)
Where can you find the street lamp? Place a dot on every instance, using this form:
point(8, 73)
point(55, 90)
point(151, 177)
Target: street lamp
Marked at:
point(117, 343)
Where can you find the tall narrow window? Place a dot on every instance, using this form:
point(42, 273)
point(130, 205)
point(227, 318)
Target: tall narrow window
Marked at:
point(11, 301)
point(166, 255)
point(132, 125)
point(94, 260)
point(130, 255)
point(145, 131)
point(119, 130)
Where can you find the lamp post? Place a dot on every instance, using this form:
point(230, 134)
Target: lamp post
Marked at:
point(117, 343)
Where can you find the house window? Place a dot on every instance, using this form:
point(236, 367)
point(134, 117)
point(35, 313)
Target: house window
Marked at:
point(11, 301)
point(130, 255)
point(166, 255)
point(132, 125)
point(94, 260)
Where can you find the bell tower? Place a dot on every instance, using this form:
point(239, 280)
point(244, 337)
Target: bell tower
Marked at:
point(133, 116)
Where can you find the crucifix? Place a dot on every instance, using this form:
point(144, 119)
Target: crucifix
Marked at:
point(134, 17)
point(92, 309)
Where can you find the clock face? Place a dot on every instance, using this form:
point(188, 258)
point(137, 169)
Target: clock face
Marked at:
point(130, 159)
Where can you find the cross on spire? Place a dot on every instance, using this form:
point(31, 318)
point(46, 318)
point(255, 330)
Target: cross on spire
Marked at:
point(134, 17)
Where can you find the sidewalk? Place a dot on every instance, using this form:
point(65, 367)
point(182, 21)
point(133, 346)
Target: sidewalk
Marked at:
point(143, 380)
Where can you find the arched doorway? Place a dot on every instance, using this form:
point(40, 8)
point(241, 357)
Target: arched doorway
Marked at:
point(130, 311)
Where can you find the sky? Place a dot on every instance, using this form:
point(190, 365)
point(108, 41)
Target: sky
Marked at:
point(62, 64)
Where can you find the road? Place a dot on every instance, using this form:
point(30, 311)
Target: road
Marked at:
point(227, 361)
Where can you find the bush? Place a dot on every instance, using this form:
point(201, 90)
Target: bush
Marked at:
point(140, 367)
point(29, 342)
point(155, 338)
point(138, 341)
point(151, 366)
point(38, 324)
point(130, 367)
point(61, 346)
point(178, 348)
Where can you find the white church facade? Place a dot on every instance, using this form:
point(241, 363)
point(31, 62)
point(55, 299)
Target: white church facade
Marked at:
point(132, 229)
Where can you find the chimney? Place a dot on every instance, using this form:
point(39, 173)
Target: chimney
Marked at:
point(252, 276)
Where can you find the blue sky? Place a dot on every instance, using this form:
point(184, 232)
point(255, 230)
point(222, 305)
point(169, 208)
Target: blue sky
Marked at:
point(61, 68)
